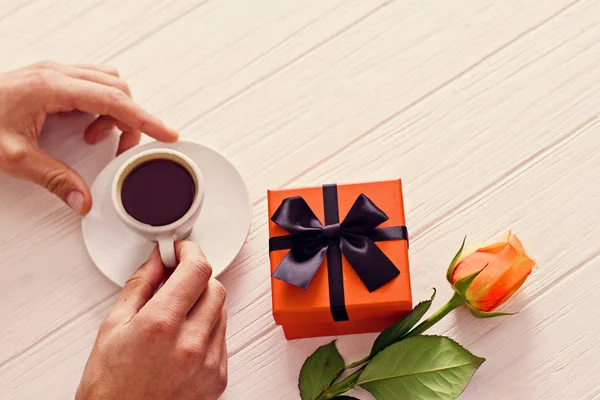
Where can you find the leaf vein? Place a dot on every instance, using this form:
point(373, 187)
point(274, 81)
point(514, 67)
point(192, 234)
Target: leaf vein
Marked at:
point(413, 373)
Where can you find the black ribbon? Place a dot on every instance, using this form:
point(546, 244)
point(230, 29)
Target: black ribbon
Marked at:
point(309, 241)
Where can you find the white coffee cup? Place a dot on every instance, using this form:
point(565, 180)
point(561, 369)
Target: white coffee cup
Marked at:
point(164, 235)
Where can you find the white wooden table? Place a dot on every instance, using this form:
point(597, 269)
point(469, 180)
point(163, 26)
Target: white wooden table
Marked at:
point(488, 111)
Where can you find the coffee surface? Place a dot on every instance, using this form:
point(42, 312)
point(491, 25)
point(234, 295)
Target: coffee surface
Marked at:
point(158, 192)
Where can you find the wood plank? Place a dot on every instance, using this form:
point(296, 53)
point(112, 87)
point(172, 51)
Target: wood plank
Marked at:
point(64, 355)
point(529, 203)
point(21, 228)
point(576, 104)
point(347, 87)
point(549, 351)
point(400, 152)
point(562, 99)
point(202, 65)
point(82, 31)
point(9, 10)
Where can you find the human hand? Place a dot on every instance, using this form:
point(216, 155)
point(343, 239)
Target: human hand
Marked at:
point(168, 345)
point(29, 94)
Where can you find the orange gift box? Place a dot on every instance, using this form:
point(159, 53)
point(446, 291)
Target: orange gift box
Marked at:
point(315, 310)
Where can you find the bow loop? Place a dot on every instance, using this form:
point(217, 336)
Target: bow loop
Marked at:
point(310, 241)
point(298, 267)
point(364, 216)
point(295, 216)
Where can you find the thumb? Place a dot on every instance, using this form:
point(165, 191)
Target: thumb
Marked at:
point(39, 167)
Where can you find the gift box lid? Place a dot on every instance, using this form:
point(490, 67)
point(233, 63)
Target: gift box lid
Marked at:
point(293, 305)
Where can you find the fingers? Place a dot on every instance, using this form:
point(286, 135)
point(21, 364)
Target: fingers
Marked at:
point(224, 358)
point(92, 91)
point(216, 353)
point(94, 75)
point(104, 125)
point(104, 75)
point(219, 334)
point(129, 138)
point(25, 160)
point(99, 129)
point(107, 69)
point(216, 356)
point(207, 311)
point(187, 283)
point(94, 98)
point(107, 76)
point(98, 68)
point(224, 367)
point(223, 376)
point(95, 67)
point(138, 289)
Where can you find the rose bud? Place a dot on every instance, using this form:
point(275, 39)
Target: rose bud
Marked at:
point(504, 268)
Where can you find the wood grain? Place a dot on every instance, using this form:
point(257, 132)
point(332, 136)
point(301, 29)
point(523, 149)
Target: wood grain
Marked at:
point(485, 109)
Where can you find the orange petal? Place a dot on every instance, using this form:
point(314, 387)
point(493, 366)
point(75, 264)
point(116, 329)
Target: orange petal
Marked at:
point(513, 291)
point(500, 280)
point(514, 241)
point(475, 262)
point(497, 264)
point(493, 248)
point(469, 249)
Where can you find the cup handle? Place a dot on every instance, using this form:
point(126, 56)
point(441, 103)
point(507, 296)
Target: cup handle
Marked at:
point(166, 245)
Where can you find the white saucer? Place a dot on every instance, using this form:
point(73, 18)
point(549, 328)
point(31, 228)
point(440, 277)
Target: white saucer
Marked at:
point(221, 229)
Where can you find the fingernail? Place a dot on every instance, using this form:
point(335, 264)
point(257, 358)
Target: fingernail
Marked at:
point(171, 130)
point(75, 200)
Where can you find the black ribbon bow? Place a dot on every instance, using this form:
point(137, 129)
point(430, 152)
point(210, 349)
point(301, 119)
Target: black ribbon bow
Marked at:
point(309, 241)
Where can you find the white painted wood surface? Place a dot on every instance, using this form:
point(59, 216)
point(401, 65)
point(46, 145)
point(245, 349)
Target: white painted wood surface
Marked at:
point(488, 111)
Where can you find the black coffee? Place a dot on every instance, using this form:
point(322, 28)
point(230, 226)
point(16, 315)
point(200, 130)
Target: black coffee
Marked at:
point(158, 192)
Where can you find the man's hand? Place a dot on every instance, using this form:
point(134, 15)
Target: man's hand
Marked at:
point(29, 94)
point(168, 345)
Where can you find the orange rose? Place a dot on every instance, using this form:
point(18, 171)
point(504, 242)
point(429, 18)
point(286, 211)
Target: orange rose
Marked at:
point(504, 267)
point(481, 281)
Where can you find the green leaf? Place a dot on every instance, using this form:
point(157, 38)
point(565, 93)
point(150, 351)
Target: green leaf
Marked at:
point(344, 398)
point(397, 332)
point(319, 371)
point(420, 367)
point(483, 314)
point(452, 265)
point(461, 286)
